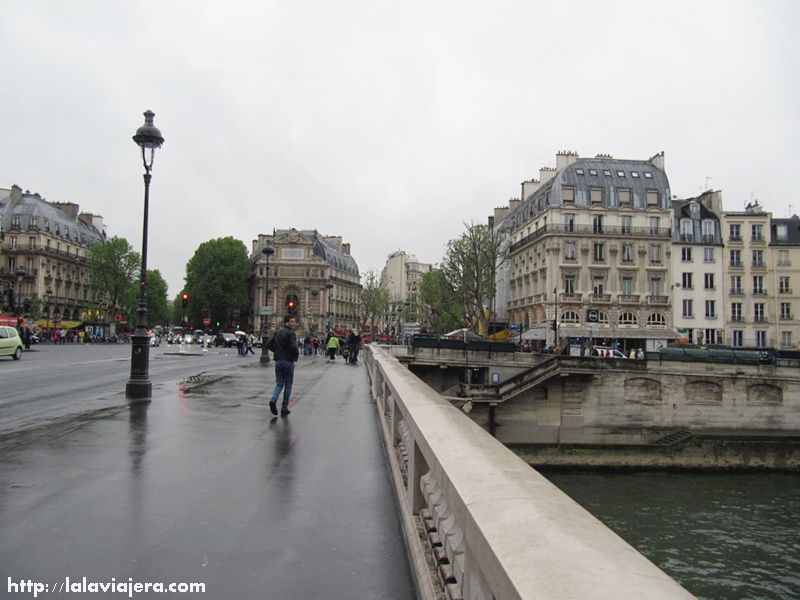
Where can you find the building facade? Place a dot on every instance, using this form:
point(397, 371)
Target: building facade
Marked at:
point(784, 248)
point(401, 276)
point(310, 275)
point(589, 254)
point(44, 257)
point(698, 304)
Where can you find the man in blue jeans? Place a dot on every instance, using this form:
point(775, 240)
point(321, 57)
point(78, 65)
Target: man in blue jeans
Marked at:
point(284, 345)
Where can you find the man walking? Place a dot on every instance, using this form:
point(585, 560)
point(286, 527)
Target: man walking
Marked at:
point(284, 345)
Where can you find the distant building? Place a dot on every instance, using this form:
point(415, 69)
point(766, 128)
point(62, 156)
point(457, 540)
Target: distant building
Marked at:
point(784, 244)
point(43, 255)
point(311, 275)
point(588, 253)
point(402, 276)
point(698, 270)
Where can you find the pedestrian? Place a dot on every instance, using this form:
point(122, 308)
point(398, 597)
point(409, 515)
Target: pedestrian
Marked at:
point(249, 345)
point(640, 354)
point(284, 345)
point(632, 354)
point(332, 346)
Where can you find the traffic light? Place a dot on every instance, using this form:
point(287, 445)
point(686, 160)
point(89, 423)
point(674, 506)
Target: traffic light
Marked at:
point(185, 299)
point(291, 307)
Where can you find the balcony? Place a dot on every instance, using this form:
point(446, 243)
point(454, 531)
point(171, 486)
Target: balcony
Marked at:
point(737, 318)
point(759, 319)
point(600, 298)
point(785, 291)
point(687, 237)
point(709, 239)
point(759, 264)
point(657, 299)
point(565, 297)
point(736, 292)
point(591, 230)
point(736, 264)
point(628, 298)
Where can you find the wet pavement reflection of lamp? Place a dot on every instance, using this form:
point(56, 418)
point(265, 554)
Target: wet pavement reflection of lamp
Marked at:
point(148, 138)
point(267, 251)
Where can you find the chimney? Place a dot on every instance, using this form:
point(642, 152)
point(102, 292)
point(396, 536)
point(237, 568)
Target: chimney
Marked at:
point(565, 158)
point(16, 194)
point(546, 174)
point(528, 189)
point(346, 249)
point(70, 208)
point(658, 160)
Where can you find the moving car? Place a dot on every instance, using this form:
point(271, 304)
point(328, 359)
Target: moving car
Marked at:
point(225, 339)
point(10, 342)
point(604, 351)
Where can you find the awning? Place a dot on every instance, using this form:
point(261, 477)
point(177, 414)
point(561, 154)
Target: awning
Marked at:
point(62, 324)
point(540, 333)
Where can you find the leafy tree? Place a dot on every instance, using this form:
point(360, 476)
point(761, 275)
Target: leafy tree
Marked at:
point(114, 275)
point(216, 280)
point(438, 306)
point(374, 299)
point(469, 268)
point(158, 312)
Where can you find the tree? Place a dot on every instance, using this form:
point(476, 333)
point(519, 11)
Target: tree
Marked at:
point(216, 280)
point(374, 300)
point(158, 312)
point(438, 306)
point(113, 276)
point(469, 268)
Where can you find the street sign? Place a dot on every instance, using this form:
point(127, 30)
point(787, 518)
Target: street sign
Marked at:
point(265, 311)
point(591, 316)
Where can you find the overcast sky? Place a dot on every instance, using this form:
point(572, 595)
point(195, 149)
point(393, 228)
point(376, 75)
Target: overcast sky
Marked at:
point(388, 123)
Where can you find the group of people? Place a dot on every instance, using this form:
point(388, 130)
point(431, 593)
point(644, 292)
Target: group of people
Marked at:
point(286, 349)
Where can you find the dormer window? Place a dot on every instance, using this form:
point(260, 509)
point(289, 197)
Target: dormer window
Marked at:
point(568, 193)
point(620, 173)
point(694, 208)
point(635, 174)
point(607, 172)
point(782, 231)
point(648, 175)
point(579, 171)
point(593, 172)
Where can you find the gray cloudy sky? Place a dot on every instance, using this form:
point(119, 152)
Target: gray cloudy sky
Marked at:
point(388, 123)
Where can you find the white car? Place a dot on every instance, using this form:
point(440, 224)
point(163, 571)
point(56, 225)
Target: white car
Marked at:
point(606, 352)
point(10, 342)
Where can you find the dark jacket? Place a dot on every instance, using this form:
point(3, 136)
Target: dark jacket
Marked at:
point(285, 345)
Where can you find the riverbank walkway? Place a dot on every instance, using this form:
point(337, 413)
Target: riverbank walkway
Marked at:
point(204, 485)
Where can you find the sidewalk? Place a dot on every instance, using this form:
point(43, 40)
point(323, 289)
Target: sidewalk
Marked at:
point(205, 485)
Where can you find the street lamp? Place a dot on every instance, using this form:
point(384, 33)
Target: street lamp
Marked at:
point(148, 138)
point(18, 297)
point(267, 251)
point(329, 287)
point(555, 316)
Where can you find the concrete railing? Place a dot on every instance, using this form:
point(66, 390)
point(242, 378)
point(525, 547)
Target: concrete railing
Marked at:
point(482, 524)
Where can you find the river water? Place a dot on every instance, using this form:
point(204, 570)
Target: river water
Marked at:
point(722, 536)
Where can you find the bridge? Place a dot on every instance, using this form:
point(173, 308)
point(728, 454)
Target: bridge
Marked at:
point(204, 485)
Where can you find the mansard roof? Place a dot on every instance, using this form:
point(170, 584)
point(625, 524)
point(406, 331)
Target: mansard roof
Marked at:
point(325, 249)
point(610, 174)
point(50, 218)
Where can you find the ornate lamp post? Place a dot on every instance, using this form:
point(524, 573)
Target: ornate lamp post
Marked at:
point(18, 298)
point(267, 251)
point(329, 287)
point(148, 138)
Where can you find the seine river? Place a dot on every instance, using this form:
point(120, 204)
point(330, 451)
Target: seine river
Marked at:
point(722, 536)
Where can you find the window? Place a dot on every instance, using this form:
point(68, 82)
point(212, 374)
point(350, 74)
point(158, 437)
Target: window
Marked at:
point(686, 280)
point(654, 223)
point(735, 232)
point(708, 230)
point(596, 195)
point(15, 222)
point(758, 312)
point(686, 230)
point(635, 174)
point(34, 223)
point(737, 338)
point(783, 286)
point(786, 339)
point(687, 308)
point(709, 281)
point(761, 338)
point(656, 320)
point(599, 253)
point(736, 311)
point(757, 233)
point(12, 242)
point(624, 196)
point(593, 172)
point(597, 284)
point(628, 318)
point(758, 258)
point(627, 286)
point(627, 253)
point(597, 223)
point(620, 173)
point(579, 172)
point(570, 316)
point(782, 231)
point(783, 258)
point(627, 224)
point(686, 254)
point(568, 193)
point(569, 250)
point(648, 175)
point(652, 197)
point(569, 284)
point(708, 255)
point(786, 311)
point(736, 258)
point(607, 172)
point(758, 284)
point(655, 254)
point(655, 286)
point(569, 222)
point(711, 309)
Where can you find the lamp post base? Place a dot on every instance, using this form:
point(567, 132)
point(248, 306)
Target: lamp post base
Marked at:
point(139, 389)
point(139, 385)
point(264, 359)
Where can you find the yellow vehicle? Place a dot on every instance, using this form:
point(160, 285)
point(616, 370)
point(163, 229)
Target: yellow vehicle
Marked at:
point(10, 342)
point(499, 331)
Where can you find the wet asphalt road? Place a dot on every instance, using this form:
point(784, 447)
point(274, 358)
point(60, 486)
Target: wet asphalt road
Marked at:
point(204, 485)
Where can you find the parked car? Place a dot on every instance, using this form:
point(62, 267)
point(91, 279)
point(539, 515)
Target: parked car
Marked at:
point(605, 351)
point(10, 342)
point(225, 339)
